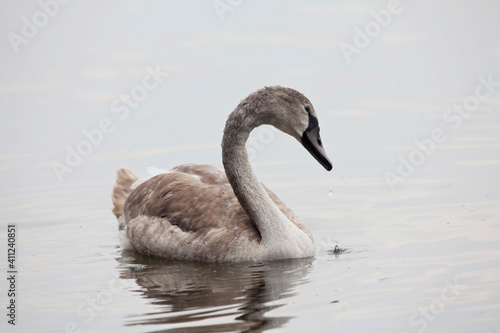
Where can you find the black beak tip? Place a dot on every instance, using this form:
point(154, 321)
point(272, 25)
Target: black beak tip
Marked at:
point(311, 141)
point(325, 162)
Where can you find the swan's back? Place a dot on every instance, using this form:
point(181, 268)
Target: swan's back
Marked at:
point(191, 213)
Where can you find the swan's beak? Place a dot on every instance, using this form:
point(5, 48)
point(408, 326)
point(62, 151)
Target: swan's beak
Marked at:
point(312, 142)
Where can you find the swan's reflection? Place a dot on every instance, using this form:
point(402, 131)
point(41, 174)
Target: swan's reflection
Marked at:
point(205, 297)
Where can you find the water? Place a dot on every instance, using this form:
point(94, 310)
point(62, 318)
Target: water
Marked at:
point(411, 123)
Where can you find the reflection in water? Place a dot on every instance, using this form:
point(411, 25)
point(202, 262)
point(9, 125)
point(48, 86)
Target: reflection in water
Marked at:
point(207, 297)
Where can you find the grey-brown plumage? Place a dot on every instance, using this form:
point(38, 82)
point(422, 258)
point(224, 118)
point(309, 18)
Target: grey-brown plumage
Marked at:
point(200, 212)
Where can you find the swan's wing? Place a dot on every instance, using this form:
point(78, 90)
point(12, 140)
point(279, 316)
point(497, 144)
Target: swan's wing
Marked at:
point(194, 198)
point(191, 212)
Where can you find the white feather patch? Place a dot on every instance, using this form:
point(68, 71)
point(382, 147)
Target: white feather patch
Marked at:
point(151, 172)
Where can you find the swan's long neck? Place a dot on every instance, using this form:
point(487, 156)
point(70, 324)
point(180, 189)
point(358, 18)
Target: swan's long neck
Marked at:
point(273, 225)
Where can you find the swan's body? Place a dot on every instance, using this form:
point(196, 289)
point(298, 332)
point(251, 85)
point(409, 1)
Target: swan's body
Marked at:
point(199, 212)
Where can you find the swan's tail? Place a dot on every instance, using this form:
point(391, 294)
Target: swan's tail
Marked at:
point(122, 189)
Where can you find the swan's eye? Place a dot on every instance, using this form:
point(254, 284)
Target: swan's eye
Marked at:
point(308, 108)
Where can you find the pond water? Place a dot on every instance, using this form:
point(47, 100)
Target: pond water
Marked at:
point(408, 99)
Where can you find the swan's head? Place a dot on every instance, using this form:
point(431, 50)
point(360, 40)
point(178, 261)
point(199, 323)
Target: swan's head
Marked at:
point(291, 112)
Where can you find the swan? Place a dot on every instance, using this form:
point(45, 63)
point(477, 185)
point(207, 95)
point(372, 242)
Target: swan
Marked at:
point(202, 213)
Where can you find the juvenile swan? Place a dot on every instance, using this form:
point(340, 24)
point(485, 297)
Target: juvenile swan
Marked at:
point(199, 212)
